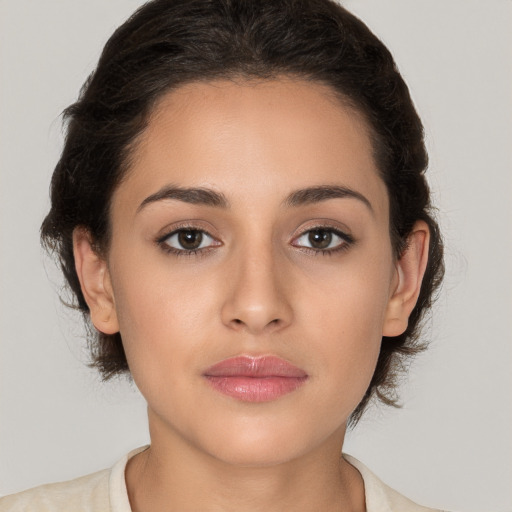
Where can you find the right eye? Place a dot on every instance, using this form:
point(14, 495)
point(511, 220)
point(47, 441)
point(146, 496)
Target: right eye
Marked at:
point(187, 240)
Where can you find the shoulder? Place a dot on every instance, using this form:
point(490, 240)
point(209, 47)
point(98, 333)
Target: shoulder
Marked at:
point(85, 494)
point(380, 497)
point(104, 490)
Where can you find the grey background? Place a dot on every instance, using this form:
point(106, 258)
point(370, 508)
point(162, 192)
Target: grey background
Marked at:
point(450, 445)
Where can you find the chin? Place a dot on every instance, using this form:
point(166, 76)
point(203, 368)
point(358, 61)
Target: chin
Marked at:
point(264, 444)
point(258, 454)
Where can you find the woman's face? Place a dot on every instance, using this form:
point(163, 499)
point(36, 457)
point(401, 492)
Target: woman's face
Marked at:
point(252, 222)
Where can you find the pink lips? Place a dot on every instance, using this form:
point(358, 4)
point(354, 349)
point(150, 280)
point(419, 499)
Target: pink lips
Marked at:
point(255, 379)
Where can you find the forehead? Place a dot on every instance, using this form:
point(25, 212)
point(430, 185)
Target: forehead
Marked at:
point(253, 139)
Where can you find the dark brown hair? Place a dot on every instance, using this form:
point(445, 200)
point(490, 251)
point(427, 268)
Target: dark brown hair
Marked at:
point(168, 43)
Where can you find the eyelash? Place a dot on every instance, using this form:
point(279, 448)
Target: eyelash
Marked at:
point(348, 241)
point(161, 241)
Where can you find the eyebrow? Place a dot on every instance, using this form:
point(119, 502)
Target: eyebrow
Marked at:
point(323, 193)
point(202, 196)
point(208, 197)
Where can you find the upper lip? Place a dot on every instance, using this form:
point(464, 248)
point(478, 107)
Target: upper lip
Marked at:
point(249, 366)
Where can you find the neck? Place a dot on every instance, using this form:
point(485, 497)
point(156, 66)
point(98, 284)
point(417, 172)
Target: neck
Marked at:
point(173, 475)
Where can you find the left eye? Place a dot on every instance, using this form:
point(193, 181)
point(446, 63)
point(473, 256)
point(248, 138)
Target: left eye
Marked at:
point(188, 240)
point(321, 239)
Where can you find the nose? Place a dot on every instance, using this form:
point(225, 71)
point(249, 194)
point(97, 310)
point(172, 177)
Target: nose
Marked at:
point(258, 295)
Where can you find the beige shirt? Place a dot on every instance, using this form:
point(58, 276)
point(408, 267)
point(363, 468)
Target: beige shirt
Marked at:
point(105, 491)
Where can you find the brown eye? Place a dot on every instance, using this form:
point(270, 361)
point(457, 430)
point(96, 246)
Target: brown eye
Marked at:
point(190, 239)
point(326, 240)
point(320, 238)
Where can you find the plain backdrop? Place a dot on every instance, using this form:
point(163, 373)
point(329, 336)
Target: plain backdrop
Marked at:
point(450, 445)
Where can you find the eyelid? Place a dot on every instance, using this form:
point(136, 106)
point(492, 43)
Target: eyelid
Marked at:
point(347, 238)
point(177, 232)
point(327, 224)
point(174, 229)
point(161, 240)
point(192, 224)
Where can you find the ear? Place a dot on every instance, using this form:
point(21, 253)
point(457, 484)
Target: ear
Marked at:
point(410, 269)
point(95, 282)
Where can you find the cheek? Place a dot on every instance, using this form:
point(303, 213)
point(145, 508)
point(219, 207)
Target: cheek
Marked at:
point(345, 316)
point(351, 332)
point(348, 298)
point(166, 317)
point(150, 306)
point(171, 327)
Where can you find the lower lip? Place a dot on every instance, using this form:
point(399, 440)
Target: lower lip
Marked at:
point(255, 389)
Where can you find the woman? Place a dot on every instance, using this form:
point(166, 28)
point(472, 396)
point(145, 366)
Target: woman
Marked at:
point(241, 211)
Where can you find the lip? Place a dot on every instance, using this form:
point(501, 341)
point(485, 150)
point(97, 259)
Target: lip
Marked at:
point(255, 379)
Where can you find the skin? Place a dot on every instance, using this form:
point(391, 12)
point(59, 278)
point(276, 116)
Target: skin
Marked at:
point(255, 288)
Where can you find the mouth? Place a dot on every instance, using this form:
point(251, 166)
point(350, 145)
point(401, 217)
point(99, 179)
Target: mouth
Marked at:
point(255, 379)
